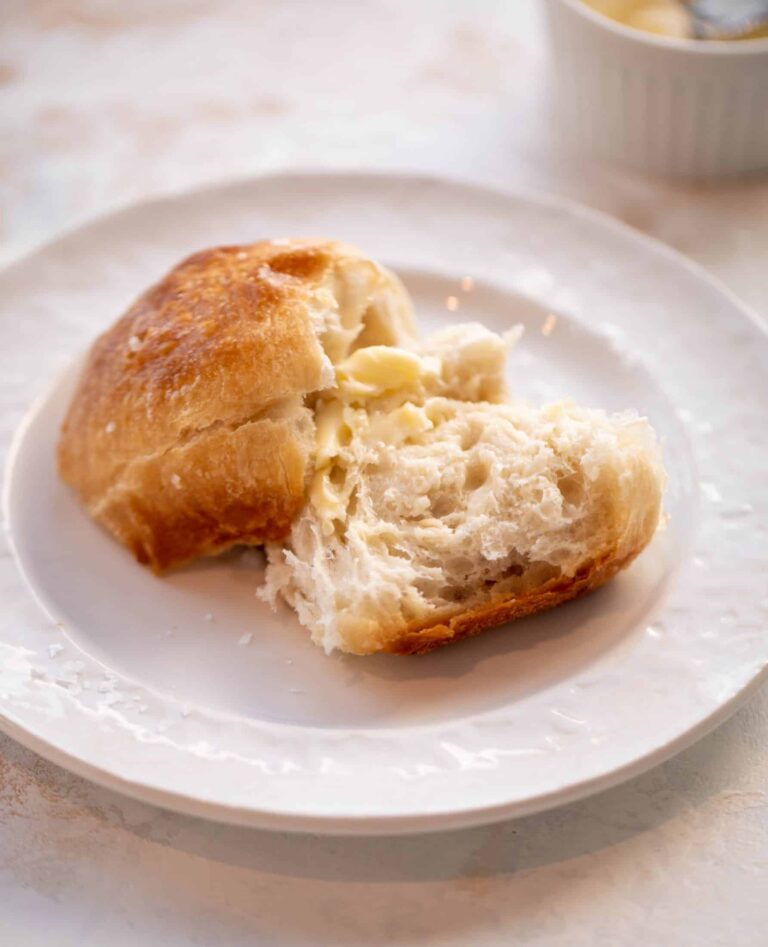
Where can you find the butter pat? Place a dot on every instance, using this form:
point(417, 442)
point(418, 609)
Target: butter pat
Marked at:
point(327, 500)
point(400, 424)
point(329, 421)
point(662, 17)
point(378, 369)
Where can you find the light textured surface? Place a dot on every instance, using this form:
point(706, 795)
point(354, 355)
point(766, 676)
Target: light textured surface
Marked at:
point(106, 103)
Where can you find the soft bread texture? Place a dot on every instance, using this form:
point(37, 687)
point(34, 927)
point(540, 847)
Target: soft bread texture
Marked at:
point(191, 429)
point(439, 508)
point(278, 393)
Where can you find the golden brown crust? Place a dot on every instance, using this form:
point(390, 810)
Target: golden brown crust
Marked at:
point(228, 487)
point(222, 335)
point(419, 638)
point(167, 394)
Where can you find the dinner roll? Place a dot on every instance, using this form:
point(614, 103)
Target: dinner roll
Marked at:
point(191, 428)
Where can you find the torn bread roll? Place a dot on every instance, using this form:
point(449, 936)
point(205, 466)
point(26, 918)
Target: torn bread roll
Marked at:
point(191, 430)
point(438, 508)
point(278, 393)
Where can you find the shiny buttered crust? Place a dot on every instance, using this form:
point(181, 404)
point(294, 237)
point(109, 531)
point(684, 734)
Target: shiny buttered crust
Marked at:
point(188, 432)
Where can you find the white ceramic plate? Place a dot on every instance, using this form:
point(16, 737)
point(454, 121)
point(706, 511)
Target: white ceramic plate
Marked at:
point(147, 685)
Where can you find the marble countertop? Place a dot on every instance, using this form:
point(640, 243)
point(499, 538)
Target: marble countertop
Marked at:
point(105, 103)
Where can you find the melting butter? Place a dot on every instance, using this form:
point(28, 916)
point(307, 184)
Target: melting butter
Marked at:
point(661, 17)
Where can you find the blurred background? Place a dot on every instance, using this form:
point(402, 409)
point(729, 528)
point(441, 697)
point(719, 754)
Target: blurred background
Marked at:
point(104, 103)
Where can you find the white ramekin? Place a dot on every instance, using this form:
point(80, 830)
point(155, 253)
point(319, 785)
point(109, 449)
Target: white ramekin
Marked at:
point(662, 105)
